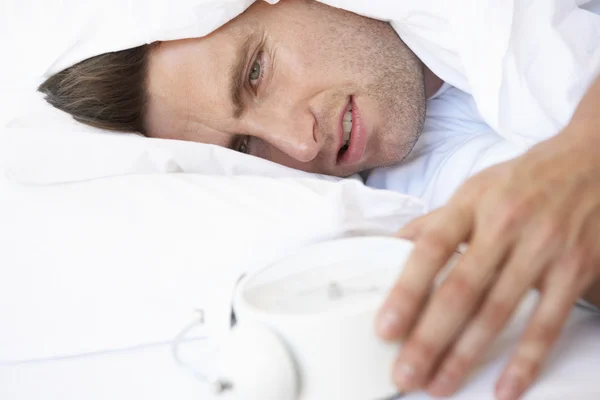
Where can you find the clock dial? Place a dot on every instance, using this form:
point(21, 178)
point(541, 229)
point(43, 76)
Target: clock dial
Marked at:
point(334, 277)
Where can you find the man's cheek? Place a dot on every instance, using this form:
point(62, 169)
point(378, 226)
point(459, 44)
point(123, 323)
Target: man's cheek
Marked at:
point(265, 150)
point(279, 157)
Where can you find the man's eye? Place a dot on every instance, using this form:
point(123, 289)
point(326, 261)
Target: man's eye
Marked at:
point(255, 72)
point(242, 146)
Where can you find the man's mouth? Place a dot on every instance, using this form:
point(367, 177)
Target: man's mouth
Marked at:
point(347, 130)
point(353, 136)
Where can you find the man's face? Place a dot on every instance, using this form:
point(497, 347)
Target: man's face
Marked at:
point(277, 82)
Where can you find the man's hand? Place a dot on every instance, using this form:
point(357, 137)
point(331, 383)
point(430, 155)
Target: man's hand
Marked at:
point(533, 222)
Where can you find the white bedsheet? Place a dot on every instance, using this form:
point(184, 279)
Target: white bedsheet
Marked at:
point(123, 261)
point(150, 373)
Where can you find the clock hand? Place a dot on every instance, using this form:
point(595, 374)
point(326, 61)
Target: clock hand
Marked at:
point(335, 290)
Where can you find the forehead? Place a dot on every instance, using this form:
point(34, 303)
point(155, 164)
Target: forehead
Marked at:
point(188, 83)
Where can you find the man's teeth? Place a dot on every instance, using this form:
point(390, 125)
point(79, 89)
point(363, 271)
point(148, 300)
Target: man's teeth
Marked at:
point(347, 124)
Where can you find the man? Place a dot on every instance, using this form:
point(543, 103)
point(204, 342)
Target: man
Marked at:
point(328, 91)
point(251, 83)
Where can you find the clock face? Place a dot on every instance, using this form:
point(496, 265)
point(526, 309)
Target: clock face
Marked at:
point(330, 278)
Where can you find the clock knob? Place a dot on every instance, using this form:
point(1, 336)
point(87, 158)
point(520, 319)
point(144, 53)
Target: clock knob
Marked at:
point(256, 365)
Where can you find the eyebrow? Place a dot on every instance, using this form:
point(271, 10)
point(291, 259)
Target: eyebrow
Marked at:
point(237, 78)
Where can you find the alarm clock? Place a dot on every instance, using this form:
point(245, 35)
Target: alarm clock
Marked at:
point(305, 325)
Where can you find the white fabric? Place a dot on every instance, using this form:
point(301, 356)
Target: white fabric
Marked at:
point(44, 37)
point(455, 144)
point(124, 261)
point(150, 373)
point(46, 146)
point(527, 63)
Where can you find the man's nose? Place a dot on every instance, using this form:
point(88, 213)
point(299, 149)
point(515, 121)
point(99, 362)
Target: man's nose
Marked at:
point(291, 132)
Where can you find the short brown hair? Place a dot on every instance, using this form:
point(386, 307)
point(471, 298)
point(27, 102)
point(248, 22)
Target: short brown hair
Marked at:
point(107, 91)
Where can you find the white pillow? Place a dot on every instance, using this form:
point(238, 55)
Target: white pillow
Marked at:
point(45, 145)
point(45, 36)
point(119, 262)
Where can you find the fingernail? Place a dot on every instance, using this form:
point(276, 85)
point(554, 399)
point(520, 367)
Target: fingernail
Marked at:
point(509, 388)
point(441, 386)
point(388, 323)
point(404, 375)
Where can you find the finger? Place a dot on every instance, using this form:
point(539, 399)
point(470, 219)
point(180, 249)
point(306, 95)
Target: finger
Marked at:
point(414, 228)
point(448, 310)
point(523, 268)
point(560, 292)
point(430, 253)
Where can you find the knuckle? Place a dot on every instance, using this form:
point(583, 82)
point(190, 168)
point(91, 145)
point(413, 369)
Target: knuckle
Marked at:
point(541, 335)
point(404, 299)
point(457, 366)
point(414, 226)
point(420, 351)
point(433, 245)
point(494, 316)
point(457, 292)
point(482, 182)
point(578, 261)
point(512, 210)
point(548, 234)
point(470, 189)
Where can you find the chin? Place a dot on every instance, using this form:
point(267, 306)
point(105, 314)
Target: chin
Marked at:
point(401, 151)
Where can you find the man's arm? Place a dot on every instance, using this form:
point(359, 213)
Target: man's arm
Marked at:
point(587, 116)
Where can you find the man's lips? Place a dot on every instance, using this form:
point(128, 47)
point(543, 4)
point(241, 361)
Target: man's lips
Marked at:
point(358, 137)
point(340, 142)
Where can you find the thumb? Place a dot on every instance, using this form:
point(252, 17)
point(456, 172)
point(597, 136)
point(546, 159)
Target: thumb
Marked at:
point(417, 226)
